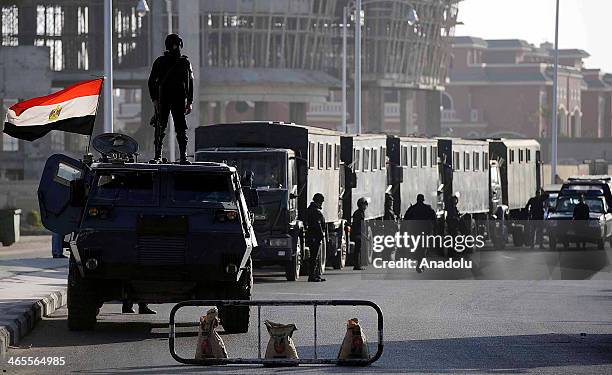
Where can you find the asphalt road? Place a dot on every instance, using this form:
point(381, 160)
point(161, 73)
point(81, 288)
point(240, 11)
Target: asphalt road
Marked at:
point(431, 326)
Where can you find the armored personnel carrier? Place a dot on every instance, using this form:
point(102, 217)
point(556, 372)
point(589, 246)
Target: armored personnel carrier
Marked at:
point(152, 233)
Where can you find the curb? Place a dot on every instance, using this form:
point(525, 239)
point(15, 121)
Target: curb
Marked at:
point(19, 322)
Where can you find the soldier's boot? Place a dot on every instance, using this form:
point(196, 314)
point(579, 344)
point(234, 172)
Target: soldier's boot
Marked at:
point(143, 308)
point(183, 152)
point(158, 142)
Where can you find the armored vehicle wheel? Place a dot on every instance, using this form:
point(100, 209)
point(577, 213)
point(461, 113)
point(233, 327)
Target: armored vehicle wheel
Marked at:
point(82, 302)
point(235, 319)
point(292, 269)
point(340, 258)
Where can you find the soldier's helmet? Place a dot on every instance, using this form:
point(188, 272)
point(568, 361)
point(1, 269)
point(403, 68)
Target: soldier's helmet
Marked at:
point(318, 198)
point(173, 40)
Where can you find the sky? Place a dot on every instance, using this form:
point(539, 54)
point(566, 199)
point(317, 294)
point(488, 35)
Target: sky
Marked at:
point(583, 24)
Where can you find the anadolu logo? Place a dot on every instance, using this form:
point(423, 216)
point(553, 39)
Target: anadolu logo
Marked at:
point(55, 113)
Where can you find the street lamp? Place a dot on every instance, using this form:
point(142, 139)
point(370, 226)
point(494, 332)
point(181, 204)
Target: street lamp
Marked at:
point(108, 66)
point(555, 130)
point(142, 8)
point(412, 17)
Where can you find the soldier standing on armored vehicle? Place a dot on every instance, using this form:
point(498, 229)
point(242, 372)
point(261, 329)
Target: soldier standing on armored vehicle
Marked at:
point(315, 235)
point(356, 231)
point(171, 90)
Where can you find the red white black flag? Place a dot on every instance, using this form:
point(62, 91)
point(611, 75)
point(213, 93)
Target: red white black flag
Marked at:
point(71, 110)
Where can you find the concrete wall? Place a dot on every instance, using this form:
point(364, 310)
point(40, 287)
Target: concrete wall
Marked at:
point(19, 194)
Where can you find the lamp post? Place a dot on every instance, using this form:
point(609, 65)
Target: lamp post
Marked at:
point(555, 130)
point(412, 19)
point(108, 66)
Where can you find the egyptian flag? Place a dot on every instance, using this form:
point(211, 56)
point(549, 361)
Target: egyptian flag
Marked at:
point(71, 110)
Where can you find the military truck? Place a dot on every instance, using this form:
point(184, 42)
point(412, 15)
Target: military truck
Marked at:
point(519, 167)
point(413, 169)
point(152, 233)
point(290, 163)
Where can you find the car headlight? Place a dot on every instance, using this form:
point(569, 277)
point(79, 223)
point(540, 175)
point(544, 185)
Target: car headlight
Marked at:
point(279, 242)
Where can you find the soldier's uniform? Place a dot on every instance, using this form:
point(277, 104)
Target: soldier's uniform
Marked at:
point(356, 231)
point(171, 86)
point(315, 235)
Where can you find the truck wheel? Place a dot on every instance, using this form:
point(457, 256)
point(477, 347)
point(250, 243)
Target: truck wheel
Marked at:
point(517, 236)
point(340, 258)
point(235, 319)
point(552, 243)
point(292, 269)
point(82, 302)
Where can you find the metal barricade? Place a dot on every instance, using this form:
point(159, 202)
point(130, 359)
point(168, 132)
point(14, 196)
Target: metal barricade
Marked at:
point(277, 362)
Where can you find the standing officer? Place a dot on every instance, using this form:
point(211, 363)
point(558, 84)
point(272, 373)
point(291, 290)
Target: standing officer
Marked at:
point(315, 235)
point(535, 212)
point(356, 228)
point(424, 218)
point(581, 214)
point(389, 213)
point(171, 90)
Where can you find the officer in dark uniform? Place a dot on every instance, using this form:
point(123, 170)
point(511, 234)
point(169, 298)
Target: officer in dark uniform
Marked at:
point(356, 228)
point(535, 213)
point(423, 217)
point(452, 216)
point(315, 235)
point(171, 90)
point(581, 214)
point(389, 213)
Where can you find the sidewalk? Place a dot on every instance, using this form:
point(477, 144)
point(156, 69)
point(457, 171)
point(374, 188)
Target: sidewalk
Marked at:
point(30, 288)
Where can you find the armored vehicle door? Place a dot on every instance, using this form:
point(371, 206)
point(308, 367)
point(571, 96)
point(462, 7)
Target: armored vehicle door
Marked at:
point(61, 194)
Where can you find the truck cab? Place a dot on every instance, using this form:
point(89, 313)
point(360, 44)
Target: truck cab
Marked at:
point(273, 173)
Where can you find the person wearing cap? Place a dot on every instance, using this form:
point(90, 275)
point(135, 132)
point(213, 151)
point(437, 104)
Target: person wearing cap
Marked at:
point(171, 89)
point(315, 235)
point(356, 231)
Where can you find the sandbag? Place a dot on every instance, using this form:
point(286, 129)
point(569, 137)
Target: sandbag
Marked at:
point(354, 345)
point(210, 344)
point(280, 344)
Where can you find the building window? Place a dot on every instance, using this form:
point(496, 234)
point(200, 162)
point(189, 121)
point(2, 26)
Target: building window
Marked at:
point(456, 161)
point(466, 161)
point(356, 160)
point(366, 160)
point(311, 155)
point(328, 156)
point(415, 157)
point(320, 156)
point(374, 159)
point(9, 143)
point(10, 25)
